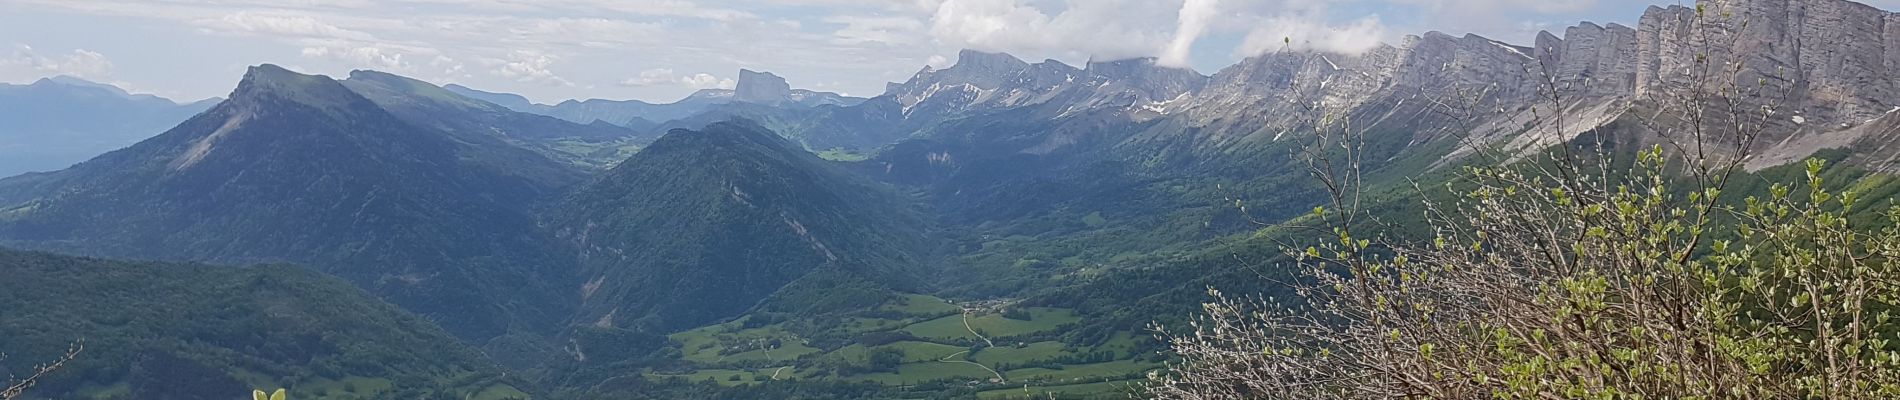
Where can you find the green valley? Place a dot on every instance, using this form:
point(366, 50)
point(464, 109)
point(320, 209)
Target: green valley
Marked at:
point(914, 341)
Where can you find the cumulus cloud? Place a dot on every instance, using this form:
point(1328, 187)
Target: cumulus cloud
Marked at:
point(666, 77)
point(1193, 20)
point(364, 56)
point(27, 63)
point(708, 81)
point(531, 67)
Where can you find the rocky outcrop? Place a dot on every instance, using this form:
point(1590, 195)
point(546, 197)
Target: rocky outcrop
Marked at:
point(761, 88)
point(1144, 79)
point(1825, 65)
point(1591, 59)
point(1829, 61)
point(981, 82)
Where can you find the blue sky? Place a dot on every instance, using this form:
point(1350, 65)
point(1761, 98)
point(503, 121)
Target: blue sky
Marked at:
point(661, 50)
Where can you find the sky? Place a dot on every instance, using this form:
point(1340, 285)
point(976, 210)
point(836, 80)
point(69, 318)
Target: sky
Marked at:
point(662, 50)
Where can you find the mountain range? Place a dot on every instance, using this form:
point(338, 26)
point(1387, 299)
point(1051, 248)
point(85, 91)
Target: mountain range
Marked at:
point(616, 249)
point(55, 122)
point(300, 168)
point(752, 87)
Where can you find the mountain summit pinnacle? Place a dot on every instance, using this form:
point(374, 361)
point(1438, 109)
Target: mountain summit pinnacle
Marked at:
point(761, 88)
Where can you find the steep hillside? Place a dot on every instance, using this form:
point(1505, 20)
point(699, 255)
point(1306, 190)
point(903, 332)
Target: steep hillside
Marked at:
point(704, 225)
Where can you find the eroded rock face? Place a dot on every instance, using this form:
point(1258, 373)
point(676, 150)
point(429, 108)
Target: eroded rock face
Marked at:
point(995, 81)
point(1832, 60)
point(1591, 59)
point(1829, 62)
point(761, 88)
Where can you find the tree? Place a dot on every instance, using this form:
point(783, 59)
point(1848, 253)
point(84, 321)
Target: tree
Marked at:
point(18, 386)
point(1578, 273)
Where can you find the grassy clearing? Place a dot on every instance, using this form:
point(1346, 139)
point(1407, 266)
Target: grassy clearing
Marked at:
point(726, 377)
point(500, 392)
point(1032, 352)
point(920, 305)
point(728, 343)
point(1076, 373)
point(994, 325)
point(720, 350)
point(867, 325)
point(914, 352)
point(1097, 390)
point(947, 329)
point(915, 373)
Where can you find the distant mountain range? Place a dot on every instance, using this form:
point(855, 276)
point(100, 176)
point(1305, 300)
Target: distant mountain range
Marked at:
point(762, 88)
point(604, 248)
point(56, 122)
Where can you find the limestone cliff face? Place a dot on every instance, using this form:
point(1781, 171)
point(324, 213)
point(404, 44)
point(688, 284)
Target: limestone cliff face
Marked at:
point(1833, 59)
point(1591, 59)
point(1825, 65)
point(761, 88)
point(983, 82)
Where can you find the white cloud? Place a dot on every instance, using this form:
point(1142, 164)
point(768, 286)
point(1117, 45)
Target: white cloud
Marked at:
point(666, 77)
point(365, 56)
point(881, 30)
point(1192, 22)
point(652, 77)
point(1097, 29)
point(26, 63)
point(708, 81)
point(530, 67)
point(293, 25)
point(1294, 32)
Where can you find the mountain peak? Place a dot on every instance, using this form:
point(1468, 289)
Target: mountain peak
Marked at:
point(272, 81)
point(990, 61)
point(410, 87)
point(271, 72)
point(761, 87)
point(736, 130)
point(653, 230)
point(69, 80)
point(1131, 66)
